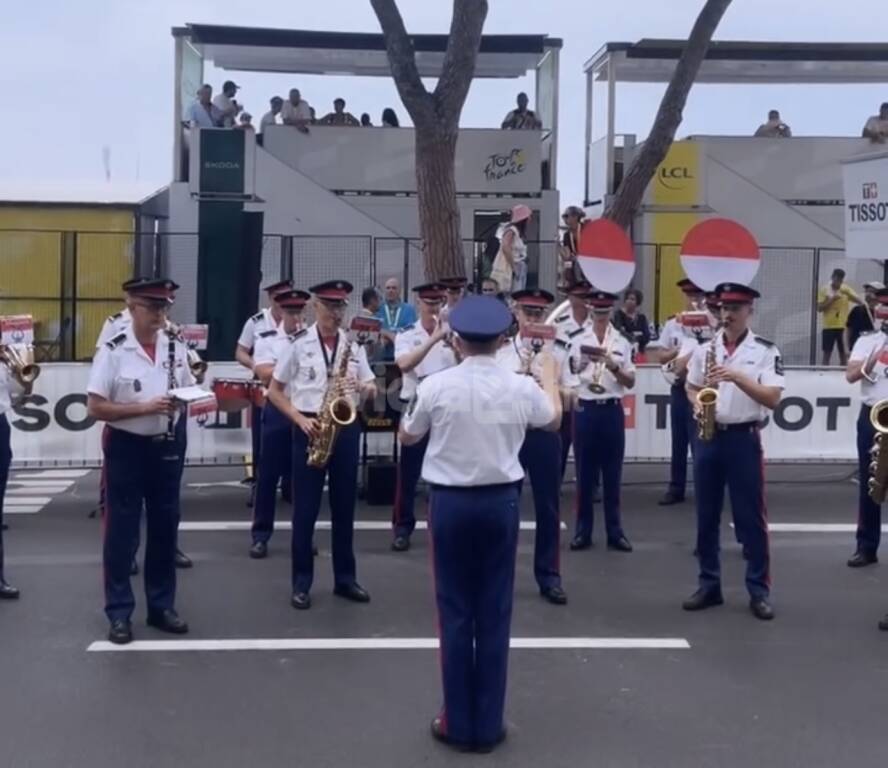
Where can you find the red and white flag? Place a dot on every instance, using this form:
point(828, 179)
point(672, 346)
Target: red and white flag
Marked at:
point(720, 251)
point(605, 255)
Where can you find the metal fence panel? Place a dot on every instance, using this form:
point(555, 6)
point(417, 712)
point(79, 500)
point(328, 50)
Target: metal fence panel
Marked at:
point(316, 259)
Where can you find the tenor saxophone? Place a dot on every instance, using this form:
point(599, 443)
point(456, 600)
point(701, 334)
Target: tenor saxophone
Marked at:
point(337, 411)
point(878, 468)
point(707, 399)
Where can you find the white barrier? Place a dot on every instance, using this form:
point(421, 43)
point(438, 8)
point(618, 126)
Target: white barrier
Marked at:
point(815, 421)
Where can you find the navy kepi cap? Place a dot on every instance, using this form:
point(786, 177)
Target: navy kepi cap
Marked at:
point(480, 318)
point(292, 299)
point(600, 299)
point(454, 283)
point(533, 297)
point(332, 290)
point(152, 288)
point(689, 286)
point(278, 286)
point(735, 293)
point(431, 291)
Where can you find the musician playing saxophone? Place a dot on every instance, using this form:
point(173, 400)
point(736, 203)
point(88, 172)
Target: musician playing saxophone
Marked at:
point(748, 375)
point(308, 368)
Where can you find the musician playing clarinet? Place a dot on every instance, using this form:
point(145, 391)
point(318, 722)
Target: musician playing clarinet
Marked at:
point(129, 385)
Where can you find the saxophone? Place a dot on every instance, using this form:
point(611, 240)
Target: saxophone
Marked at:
point(337, 411)
point(878, 480)
point(707, 398)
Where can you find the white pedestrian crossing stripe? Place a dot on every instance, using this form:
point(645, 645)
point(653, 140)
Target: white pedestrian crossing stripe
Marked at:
point(27, 492)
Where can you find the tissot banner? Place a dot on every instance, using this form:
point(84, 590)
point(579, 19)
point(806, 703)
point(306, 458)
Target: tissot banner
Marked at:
point(866, 207)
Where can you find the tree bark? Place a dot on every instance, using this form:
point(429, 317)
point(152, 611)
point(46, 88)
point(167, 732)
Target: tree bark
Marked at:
point(436, 125)
point(628, 199)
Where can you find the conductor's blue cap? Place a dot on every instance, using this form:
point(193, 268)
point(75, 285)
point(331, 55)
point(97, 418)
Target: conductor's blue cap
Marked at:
point(480, 318)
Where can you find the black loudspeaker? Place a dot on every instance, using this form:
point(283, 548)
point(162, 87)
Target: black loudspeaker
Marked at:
point(380, 481)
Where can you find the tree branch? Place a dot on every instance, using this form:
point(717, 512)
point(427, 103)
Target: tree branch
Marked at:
point(631, 192)
point(458, 69)
point(402, 59)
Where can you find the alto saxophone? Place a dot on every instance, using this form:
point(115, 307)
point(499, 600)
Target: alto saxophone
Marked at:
point(878, 468)
point(196, 363)
point(337, 411)
point(20, 362)
point(707, 398)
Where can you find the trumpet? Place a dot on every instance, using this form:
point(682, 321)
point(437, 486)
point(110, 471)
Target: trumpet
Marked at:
point(878, 480)
point(20, 362)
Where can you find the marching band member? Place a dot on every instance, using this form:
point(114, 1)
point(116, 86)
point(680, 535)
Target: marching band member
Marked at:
point(570, 325)
point(267, 319)
point(275, 455)
point(12, 389)
point(602, 357)
point(673, 349)
point(473, 512)
point(748, 374)
point(420, 351)
point(540, 454)
point(308, 367)
point(128, 388)
point(867, 366)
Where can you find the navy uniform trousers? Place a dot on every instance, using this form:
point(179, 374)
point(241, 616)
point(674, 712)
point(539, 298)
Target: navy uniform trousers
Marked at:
point(733, 458)
point(540, 455)
point(566, 438)
point(275, 465)
point(140, 470)
point(409, 470)
point(869, 517)
point(343, 485)
point(255, 438)
point(474, 535)
point(5, 463)
point(682, 427)
point(599, 445)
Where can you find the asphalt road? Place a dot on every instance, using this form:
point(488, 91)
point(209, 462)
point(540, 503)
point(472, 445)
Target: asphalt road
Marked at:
point(805, 690)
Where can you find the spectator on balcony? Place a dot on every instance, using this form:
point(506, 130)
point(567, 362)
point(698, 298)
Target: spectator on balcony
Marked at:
point(395, 315)
point(860, 318)
point(632, 323)
point(389, 118)
point(296, 112)
point(365, 121)
point(876, 128)
point(203, 113)
point(339, 116)
point(272, 117)
point(489, 287)
point(833, 302)
point(227, 104)
point(522, 119)
point(775, 128)
point(510, 265)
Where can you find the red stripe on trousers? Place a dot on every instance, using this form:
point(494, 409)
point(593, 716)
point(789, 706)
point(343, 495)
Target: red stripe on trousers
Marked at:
point(763, 507)
point(443, 712)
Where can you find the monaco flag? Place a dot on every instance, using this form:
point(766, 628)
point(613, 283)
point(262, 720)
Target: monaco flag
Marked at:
point(605, 255)
point(719, 251)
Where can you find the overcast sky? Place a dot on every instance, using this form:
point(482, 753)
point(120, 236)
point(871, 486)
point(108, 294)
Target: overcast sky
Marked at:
point(80, 75)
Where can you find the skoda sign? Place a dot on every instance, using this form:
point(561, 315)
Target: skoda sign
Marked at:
point(222, 162)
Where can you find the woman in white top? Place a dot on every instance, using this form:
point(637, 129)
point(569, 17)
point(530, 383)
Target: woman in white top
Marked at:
point(510, 265)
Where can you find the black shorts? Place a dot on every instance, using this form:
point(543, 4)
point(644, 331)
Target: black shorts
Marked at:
point(833, 337)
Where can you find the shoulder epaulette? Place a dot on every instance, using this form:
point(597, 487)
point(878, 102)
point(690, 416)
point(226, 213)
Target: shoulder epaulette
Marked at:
point(407, 328)
point(869, 333)
point(561, 318)
point(297, 334)
point(266, 334)
point(764, 342)
point(116, 341)
point(577, 332)
point(116, 316)
point(257, 317)
point(561, 344)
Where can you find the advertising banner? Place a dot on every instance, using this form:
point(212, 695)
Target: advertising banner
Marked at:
point(16, 329)
point(814, 422)
point(866, 207)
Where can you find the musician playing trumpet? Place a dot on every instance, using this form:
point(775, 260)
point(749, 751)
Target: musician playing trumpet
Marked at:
point(747, 372)
point(602, 358)
point(868, 364)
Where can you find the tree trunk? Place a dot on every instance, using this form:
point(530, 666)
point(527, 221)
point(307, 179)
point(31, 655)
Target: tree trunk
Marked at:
point(436, 124)
point(631, 192)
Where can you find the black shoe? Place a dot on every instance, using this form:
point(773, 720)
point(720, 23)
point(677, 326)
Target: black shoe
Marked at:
point(121, 632)
point(883, 624)
point(761, 608)
point(400, 544)
point(354, 592)
point(301, 601)
point(259, 550)
point(7, 591)
point(134, 568)
point(703, 599)
point(555, 595)
point(620, 545)
point(671, 497)
point(314, 550)
point(182, 560)
point(486, 748)
point(4, 527)
point(861, 559)
point(438, 733)
point(579, 543)
point(168, 621)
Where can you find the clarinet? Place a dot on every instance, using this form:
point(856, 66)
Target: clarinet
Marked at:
point(171, 379)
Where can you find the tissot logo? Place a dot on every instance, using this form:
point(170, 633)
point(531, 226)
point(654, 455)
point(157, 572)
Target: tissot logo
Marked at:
point(224, 165)
point(871, 191)
point(675, 177)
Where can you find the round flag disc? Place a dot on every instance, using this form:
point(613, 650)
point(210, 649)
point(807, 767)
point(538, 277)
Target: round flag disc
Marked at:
point(720, 251)
point(605, 255)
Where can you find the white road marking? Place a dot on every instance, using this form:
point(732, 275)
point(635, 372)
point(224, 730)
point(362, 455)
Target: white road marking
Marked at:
point(815, 528)
point(322, 525)
point(220, 484)
point(386, 644)
point(21, 509)
point(57, 485)
point(62, 474)
point(16, 494)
